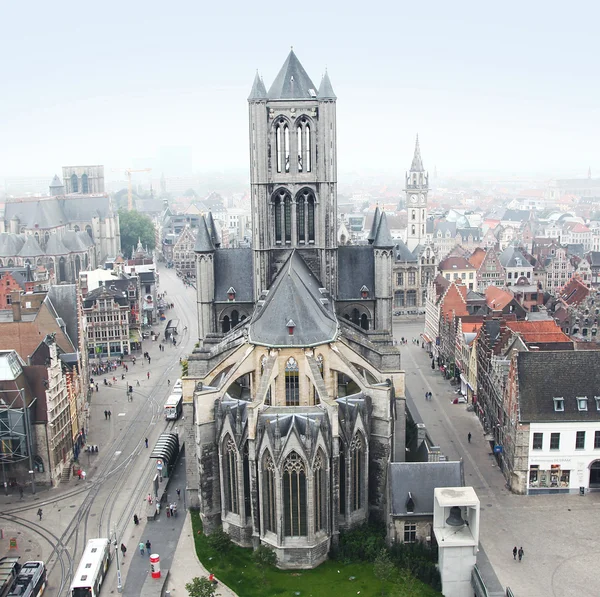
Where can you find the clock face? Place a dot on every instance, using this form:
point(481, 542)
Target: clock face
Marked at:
point(422, 198)
point(413, 198)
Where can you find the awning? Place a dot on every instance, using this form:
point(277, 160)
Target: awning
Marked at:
point(426, 338)
point(135, 336)
point(166, 448)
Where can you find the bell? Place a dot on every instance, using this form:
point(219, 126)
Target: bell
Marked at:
point(455, 519)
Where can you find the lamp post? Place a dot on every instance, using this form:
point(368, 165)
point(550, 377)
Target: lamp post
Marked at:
point(116, 544)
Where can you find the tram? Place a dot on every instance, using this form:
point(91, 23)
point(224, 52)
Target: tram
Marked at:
point(92, 569)
point(31, 580)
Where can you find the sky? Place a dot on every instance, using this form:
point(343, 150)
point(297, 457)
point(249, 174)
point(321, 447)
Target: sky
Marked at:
point(509, 87)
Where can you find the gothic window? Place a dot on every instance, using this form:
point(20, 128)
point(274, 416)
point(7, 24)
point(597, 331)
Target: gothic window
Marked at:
point(46, 238)
point(342, 481)
point(307, 154)
point(282, 206)
point(412, 229)
point(62, 270)
point(399, 298)
point(357, 472)
point(225, 324)
point(246, 471)
point(37, 237)
point(320, 364)
point(230, 475)
point(299, 144)
point(77, 264)
point(263, 364)
point(269, 503)
point(300, 221)
point(76, 228)
point(88, 229)
point(235, 318)
point(412, 217)
point(74, 183)
point(84, 184)
point(364, 321)
point(355, 317)
point(320, 489)
point(292, 388)
point(294, 496)
point(288, 219)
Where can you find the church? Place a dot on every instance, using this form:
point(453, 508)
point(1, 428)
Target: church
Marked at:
point(294, 398)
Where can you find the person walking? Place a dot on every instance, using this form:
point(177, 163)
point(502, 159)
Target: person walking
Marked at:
point(146, 440)
point(96, 387)
point(521, 553)
point(178, 493)
point(141, 548)
point(469, 437)
point(136, 520)
point(20, 492)
point(148, 546)
point(168, 382)
point(106, 414)
point(39, 513)
point(109, 415)
point(123, 549)
point(515, 552)
point(148, 375)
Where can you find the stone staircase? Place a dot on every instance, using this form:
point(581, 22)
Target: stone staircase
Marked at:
point(66, 474)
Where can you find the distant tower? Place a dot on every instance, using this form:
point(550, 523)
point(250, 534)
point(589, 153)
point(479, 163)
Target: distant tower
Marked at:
point(293, 174)
point(589, 172)
point(417, 187)
point(205, 275)
point(163, 184)
point(56, 187)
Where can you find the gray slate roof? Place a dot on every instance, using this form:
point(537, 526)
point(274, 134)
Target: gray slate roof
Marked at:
point(55, 246)
point(77, 242)
point(204, 243)
point(516, 215)
point(513, 257)
point(383, 238)
point(403, 253)
point(292, 82)
point(444, 226)
point(258, 90)
point(11, 244)
point(356, 267)
point(233, 267)
point(325, 89)
point(212, 228)
point(294, 296)
point(374, 225)
point(421, 479)
point(64, 300)
point(417, 163)
point(31, 248)
point(546, 375)
point(56, 182)
point(466, 232)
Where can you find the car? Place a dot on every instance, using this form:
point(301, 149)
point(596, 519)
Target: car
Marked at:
point(145, 335)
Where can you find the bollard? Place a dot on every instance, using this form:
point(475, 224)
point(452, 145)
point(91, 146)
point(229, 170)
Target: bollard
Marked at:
point(155, 565)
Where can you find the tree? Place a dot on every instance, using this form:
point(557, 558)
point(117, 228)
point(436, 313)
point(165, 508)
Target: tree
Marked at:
point(200, 587)
point(384, 568)
point(219, 540)
point(135, 226)
point(264, 558)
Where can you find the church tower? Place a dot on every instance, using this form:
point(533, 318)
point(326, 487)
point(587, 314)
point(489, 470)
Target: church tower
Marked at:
point(417, 187)
point(293, 175)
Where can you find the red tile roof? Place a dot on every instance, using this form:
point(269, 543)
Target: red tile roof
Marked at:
point(454, 301)
point(454, 262)
point(477, 257)
point(538, 331)
point(496, 298)
point(574, 292)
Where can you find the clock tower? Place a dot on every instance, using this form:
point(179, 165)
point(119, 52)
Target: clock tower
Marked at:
point(417, 187)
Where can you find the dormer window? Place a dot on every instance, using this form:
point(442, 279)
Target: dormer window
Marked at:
point(582, 403)
point(291, 326)
point(231, 294)
point(559, 404)
point(364, 292)
point(410, 503)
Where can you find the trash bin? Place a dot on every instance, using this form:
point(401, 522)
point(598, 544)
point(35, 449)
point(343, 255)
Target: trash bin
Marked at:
point(582, 491)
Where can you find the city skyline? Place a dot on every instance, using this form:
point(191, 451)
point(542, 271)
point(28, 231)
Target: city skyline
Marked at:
point(486, 92)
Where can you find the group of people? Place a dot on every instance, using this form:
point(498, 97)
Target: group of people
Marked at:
point(107, 414)
point(428, 395)
point(518, 553)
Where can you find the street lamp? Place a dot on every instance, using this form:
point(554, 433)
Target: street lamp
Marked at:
point(119, 584)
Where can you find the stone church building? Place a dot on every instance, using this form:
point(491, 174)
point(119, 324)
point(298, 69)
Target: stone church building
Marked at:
point(295, 394)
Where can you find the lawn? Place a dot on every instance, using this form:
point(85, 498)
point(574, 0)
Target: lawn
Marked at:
point(237, 570)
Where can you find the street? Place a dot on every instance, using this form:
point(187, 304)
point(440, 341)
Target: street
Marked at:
point(117, 477)
point(554, 530)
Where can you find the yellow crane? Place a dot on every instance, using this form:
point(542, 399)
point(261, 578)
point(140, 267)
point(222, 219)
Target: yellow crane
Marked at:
point(129, 171)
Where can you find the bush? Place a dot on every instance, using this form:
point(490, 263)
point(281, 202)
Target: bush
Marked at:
point(420, 560)
point(264, 557)
point(200, 587)
point(219, 540)
point(362, 543)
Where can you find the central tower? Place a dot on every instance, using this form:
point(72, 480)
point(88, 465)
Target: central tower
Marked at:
point(293, 175)
point(417, 187)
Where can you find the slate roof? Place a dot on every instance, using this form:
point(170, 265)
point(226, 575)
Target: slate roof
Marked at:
point(594, 258)
point(546, 375)
point(294, 295)
point(417, 162)
point(31, 248)
point(77, 242)
point(104, 292)
point(212, 229)
point(455, 262)
point(429, 225)
point(444, 226)
point(233, 267)
point(475, 233)
point(64, 300)
point(325, 89)
point(516, 215)
point(56, 182)
point(356, 267)
point(55, 246)
point(374, 225)
point(383, 238)
point(204, 243)
point(510, 255)
point(11, 244)
point(258, 90)
point(421, 479)
point(403, 253)
point(292, 82)
point(84, 208)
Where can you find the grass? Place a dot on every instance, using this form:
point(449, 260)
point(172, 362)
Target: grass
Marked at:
point(237, 570)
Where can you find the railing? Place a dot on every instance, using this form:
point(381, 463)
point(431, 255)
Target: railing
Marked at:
point(478, 585)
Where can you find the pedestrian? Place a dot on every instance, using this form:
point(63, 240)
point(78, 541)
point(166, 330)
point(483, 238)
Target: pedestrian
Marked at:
point(137, 383)
point(149, 360)
point(469, 437)
point(20, 492)
point(141, 548)
point(146, 440)
point(136, 520)
point(109, 414)
point(426, 395)
point(148, 545)
point(178, 493)
point(123, 549)
point(96, 387)
point(168, 382)
point(515, 552)
point(521, 553)
point(39, 513)
point(148, 375)
point(106, 414)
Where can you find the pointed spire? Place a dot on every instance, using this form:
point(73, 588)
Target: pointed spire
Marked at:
point(589, 172)
point(417, 163)
point(383, 238)
point(292, 81)
point(258, 91)
point(374, 226)
point(326, 90)
point(212, 228)
point(56, 182)
point(204, 243)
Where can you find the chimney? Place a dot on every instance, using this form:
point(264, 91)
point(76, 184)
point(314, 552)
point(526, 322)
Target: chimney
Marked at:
point(15, 296)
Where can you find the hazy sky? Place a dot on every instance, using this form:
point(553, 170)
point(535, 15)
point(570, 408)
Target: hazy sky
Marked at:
point(508, 86)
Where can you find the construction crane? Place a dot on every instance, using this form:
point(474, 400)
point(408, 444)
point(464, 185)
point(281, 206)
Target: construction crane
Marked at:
point(129, 171)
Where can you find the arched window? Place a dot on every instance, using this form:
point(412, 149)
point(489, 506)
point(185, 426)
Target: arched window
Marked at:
point(288, 219)
point(76, 228)
point(39, 261)
point(292, 388)
point(88, 229)
point(320, 363)
point(263, 364)
point(62, 270)
point(357, 456)
point(85, 261)
point(84, 184)
point(74, 183)
point(225, 324)
point(37, 237)
point(46, 238)
point(230, 475)
point(364, 321)
point(355, 317)
point(412, 229)
point(11, 263)
point(294, 496)
point(305, 216)
point(282, 214)
point(282, 146)
point(320, 492)
point(303, 145)
point(269, 503)
point(77, 264)
point(235, 318)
